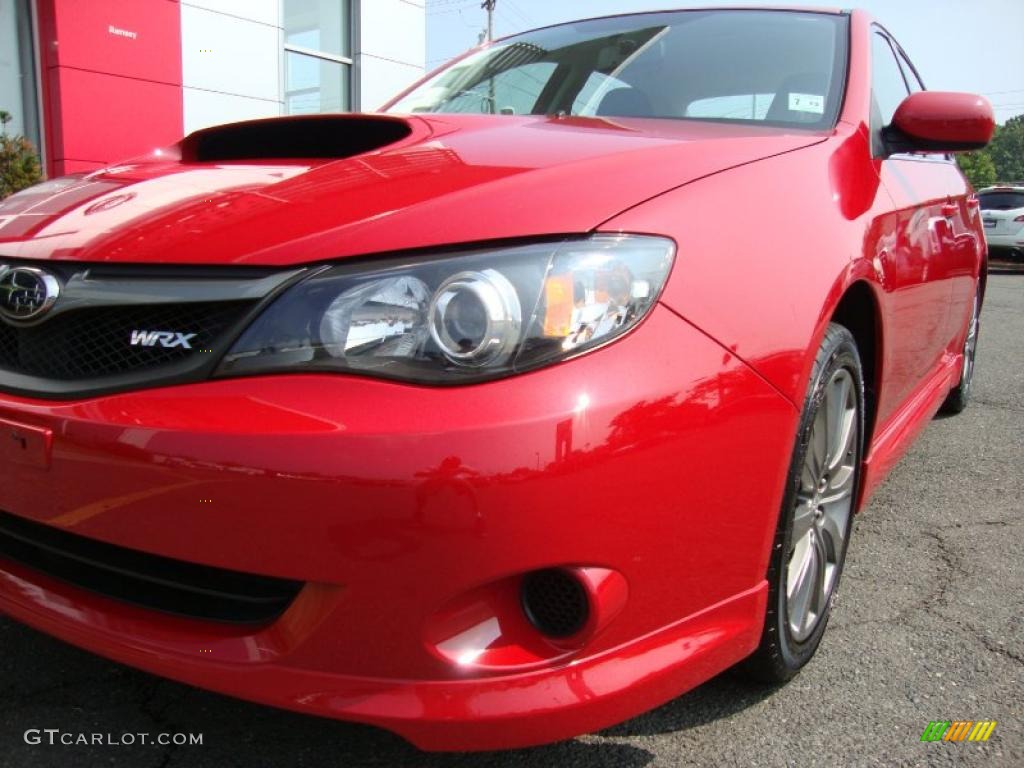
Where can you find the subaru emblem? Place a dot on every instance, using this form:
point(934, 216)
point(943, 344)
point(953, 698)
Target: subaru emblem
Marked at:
point(26, 293)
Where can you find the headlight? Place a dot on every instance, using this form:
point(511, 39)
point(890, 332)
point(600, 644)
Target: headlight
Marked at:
point(458, 318)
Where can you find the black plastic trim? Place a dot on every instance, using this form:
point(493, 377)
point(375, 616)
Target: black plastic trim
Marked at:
point(150, 581)
point(898, 142)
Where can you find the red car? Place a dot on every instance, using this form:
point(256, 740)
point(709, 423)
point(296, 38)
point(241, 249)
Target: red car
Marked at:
point(509, 413)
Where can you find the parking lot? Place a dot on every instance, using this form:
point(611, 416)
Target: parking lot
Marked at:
point(928, 626)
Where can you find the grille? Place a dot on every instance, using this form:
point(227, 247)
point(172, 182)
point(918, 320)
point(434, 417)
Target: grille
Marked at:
point(96, 343)
point(555, 602)
point(151, 581)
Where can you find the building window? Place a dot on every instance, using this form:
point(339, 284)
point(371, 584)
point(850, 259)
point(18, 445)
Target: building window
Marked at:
point(317, 56)
point(17, 70)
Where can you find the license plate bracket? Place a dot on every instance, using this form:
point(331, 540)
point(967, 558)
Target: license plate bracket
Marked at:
point(25, 444)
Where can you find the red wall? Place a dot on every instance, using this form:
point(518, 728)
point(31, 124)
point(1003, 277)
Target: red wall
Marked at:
point(111, 79)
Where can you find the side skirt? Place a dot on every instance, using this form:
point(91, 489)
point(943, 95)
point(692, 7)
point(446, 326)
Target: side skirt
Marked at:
point(892, 441)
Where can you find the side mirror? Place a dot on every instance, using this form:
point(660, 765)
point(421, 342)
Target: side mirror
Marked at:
point(940, 121)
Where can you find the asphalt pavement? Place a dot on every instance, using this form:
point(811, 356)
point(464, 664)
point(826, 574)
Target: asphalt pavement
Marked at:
point(928, 626)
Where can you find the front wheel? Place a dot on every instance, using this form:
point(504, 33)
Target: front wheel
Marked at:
point(817, 512)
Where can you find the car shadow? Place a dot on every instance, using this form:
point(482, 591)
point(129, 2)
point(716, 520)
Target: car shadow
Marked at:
point(718, 698)
point(268, 737)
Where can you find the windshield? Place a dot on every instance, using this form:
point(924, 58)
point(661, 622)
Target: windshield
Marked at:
point(775, 67)
point(1001, 201)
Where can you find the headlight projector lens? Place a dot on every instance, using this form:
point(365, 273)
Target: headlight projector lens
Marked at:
point(475, 318)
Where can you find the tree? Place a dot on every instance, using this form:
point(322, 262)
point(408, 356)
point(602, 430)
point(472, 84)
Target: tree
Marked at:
point(1007, 150)
point(19, 162)
point(978, 168)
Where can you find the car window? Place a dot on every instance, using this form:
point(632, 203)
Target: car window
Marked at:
point(747, 106)
point(512, 91)
point(771, 66)
point(1001, 201)
point(888, 88)
point(598, 86)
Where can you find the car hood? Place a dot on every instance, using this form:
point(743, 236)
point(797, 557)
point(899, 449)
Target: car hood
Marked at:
point(237, 194)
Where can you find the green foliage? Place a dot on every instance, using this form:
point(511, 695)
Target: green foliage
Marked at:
point(19, 165)
point(978, 168)
point(1002, 160)
point(1007, 150)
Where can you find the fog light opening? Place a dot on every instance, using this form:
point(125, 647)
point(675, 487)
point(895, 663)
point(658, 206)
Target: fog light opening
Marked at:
point(555, 602)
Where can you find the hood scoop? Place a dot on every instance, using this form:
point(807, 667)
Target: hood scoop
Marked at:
point(332, 137)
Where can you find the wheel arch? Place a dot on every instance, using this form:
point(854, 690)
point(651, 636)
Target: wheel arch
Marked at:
point(982, 277)
point(858, 311)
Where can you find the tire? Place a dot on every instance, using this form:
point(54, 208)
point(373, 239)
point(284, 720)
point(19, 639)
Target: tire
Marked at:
point(960, 395)
point(817, 512)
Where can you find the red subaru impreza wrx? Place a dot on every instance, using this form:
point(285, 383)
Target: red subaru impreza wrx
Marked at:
point(510, 412)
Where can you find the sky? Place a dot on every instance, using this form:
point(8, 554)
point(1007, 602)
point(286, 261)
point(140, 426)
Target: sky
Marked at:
point(956, 45)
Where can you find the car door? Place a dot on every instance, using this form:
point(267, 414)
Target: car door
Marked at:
point(915, 265)
point(961, 234)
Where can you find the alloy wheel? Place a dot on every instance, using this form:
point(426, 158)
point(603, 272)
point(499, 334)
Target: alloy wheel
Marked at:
point(824, 503)
point(970, 347)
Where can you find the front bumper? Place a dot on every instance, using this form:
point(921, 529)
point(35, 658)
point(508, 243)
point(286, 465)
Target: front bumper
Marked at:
point(407, 512)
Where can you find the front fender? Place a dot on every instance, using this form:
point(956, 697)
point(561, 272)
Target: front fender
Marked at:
point(767, 251)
